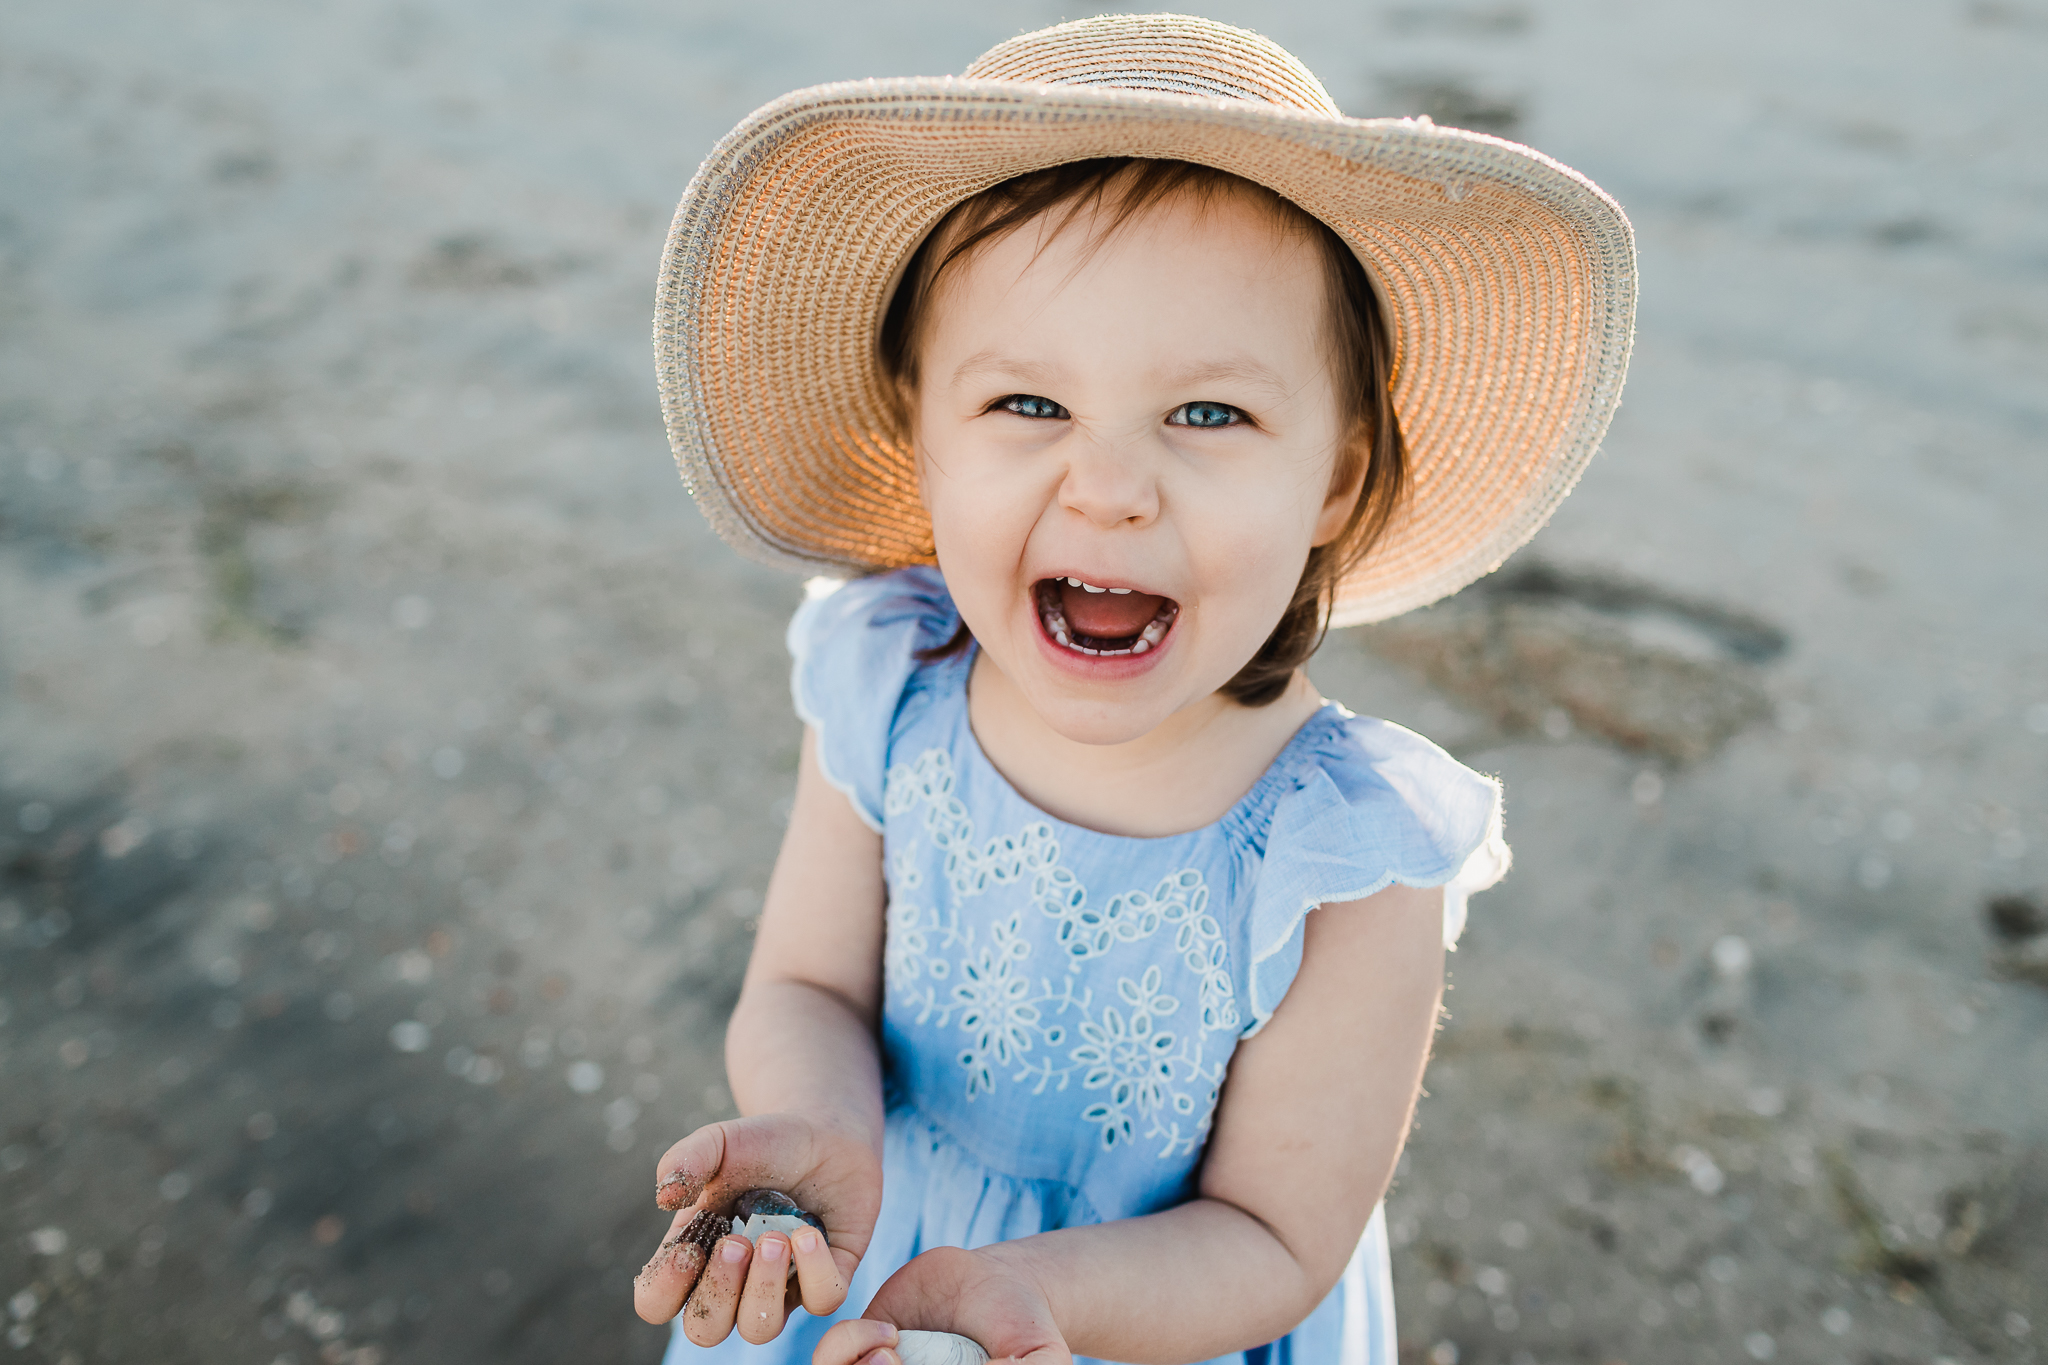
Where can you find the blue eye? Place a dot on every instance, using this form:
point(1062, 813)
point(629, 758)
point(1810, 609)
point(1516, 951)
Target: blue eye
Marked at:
point(1031, 405)
point(1205, 415)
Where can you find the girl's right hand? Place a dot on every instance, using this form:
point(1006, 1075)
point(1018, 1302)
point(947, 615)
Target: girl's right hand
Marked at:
point(726, 1282)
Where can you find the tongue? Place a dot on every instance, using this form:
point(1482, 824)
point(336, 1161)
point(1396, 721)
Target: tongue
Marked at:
point(1108, 615)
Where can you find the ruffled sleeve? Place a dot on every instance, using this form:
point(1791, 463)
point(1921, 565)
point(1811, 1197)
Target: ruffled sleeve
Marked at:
point(855, 645)
point(1376, 805)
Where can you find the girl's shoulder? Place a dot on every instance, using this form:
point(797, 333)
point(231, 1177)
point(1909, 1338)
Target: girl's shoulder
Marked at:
point(1359, 774)
point(1366, 804)
point(855, 646)
point(914, 599)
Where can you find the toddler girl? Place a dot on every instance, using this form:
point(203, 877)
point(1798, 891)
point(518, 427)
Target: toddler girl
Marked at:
point(1108, 376)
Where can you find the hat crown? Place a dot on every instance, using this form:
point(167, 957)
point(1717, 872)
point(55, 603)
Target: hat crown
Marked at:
point(1175, 54)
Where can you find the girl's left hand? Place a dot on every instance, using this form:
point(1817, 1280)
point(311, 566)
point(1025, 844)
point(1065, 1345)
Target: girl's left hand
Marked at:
point(974, 1293)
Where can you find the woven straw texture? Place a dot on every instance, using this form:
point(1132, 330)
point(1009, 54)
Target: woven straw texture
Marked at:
point(1509, 279)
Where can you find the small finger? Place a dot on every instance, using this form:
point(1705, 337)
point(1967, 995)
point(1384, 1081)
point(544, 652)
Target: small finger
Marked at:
point(708, 1316)
point(817, 1272)
point(857, 1341)
point(667, 1279)
point(684, 1169)
point(761, 1303)
point(671, 1273)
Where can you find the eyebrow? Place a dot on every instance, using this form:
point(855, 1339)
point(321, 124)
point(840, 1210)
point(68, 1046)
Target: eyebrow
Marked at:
point(1241, 369)
point(990, 363)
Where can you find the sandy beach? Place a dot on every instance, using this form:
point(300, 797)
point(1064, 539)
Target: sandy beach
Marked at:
point(391, 761)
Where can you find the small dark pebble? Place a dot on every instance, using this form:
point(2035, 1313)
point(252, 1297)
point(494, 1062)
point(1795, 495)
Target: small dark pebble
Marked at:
point(2015, 918)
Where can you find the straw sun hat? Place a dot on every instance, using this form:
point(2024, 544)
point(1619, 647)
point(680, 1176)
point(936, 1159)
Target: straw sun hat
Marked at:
point(1508, 279)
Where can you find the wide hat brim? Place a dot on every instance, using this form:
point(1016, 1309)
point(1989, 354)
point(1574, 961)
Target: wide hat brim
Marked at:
point(1509, 280)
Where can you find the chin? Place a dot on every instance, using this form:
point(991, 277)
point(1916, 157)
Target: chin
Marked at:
point(1100, 722)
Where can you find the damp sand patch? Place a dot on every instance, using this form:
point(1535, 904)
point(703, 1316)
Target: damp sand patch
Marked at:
point(1544, 649)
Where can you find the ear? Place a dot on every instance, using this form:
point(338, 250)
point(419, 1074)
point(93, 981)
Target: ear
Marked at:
point(1347, 482)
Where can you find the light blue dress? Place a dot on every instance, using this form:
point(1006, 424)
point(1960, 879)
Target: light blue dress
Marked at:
point(1061, 1005)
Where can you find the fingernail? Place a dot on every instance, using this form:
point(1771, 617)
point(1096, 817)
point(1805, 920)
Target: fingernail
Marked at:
point(732, 1250)
point(772, 1248)
point(806, 1241)
point(673, 1191)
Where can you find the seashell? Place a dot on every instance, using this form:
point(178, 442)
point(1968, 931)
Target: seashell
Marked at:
point(938, 1348)
point(759, 1211)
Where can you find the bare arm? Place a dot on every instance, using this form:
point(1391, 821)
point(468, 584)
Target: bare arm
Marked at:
point(1310, 1125)
point(803, 1036)
point(805, 1069)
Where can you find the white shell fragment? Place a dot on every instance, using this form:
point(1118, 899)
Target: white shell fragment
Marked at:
point(938, 1348)
point(754, 1225)
point(759, 1211)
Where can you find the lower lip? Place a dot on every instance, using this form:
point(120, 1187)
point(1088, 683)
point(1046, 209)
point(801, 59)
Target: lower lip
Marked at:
point(1100, 667)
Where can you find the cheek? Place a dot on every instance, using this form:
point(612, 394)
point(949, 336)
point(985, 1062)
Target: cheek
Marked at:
point(1250, 585)
point(980, 521)
point(1249, 548)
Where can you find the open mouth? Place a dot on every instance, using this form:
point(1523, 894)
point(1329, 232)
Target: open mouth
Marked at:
point(1086, 619)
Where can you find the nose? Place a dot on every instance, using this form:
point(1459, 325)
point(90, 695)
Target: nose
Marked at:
point(1110, 485)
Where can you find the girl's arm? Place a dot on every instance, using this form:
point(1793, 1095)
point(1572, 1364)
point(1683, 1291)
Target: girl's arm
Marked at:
point(1310, 1125)
point(805, 1070)
point(802, 1038)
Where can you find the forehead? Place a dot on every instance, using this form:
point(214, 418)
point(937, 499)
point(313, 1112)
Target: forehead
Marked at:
point(1223, 255)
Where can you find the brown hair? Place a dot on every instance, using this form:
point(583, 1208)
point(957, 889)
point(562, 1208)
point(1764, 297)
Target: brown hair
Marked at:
point(1126, 187)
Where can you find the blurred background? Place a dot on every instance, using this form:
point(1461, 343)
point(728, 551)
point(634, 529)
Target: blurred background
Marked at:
point(391, 762)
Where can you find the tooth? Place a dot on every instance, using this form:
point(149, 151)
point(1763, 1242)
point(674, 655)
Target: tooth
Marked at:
point(1142, 645)
point(1073, 582)
point(1121, 592)
point(1061, 636)
point(1090, 587)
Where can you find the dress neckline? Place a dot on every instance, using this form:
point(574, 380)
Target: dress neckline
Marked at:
point(1243, 813)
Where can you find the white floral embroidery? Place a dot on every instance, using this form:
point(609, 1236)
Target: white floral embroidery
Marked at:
point(1149, 1075)
point(915, 934)
point(1180, 900)
point(904, 871)
point(995, 1008)
point(1147, 1070)
point(1134, 1059)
